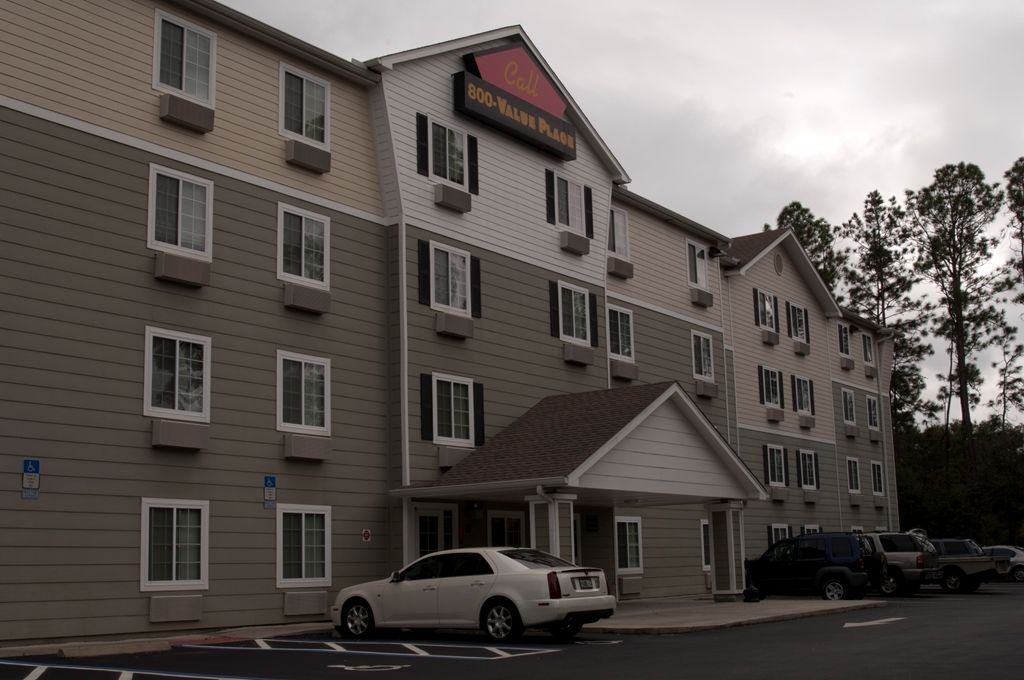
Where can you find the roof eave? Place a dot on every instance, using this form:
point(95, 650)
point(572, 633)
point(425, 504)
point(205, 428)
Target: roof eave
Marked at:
point(440, 491)
point(675, 219)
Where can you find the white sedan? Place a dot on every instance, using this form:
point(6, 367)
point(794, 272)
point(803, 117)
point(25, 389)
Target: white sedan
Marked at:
point(499, 590)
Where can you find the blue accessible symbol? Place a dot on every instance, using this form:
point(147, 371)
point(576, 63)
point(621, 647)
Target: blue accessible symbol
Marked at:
point(269, 482)
point(30, 466)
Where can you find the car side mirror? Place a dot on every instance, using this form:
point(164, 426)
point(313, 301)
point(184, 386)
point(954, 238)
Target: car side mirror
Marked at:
point(395, 577)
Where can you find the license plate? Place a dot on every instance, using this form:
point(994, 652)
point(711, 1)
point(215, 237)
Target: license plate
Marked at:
point(585, 583)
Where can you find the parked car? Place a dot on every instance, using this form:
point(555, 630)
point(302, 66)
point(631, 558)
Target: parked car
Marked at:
point(965, 566)
point(911, 561)
point(499, 590)
point(1015, 553)
point(837, 566)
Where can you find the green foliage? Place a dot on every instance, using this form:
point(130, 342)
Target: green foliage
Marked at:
point(1015, 204)
point(818, 238)
point(1011, 376)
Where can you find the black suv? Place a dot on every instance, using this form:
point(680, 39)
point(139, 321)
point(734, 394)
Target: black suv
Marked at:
point(838, 566)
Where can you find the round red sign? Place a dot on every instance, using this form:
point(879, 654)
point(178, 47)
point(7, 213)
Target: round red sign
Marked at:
point(366, 535)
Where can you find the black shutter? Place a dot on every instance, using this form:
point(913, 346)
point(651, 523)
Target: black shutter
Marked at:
point(817, 475)
point(478, 413)
point(792, 383)
point(764, 454)
point(775, 306)
point(426, 407)
point(474, 287)
point(757, 317)
point(812, 396)
point(760, 384)
point(553, 296)
point(799, 460)
point(549, 191)
point(785, 466)
point(782, 392)
point(424, 272)
point(422, 145)
point(789, 320)
point(474, 169)
point(791, 531)
point(807, 326)
point(593, 319)
point(769, 535)
point(588, 211)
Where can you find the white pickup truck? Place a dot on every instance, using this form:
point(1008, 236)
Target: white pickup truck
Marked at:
point(965, 566)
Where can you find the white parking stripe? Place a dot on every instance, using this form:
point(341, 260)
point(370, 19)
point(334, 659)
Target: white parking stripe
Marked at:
point(36, 672)
point(261, 644)
point(497, 652)
point(417, 650)
point(127, 675)
point(335, 646)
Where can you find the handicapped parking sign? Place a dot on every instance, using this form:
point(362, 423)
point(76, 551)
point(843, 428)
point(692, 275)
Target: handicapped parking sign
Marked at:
point(30, 468)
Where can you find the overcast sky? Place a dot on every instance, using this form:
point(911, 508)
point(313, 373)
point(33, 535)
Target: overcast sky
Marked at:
point(726, 111)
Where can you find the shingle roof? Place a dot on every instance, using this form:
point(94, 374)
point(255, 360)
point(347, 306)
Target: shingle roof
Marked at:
point(746, 248)
point(555, 436)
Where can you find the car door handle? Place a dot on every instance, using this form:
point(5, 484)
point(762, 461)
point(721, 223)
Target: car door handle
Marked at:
point(429, 588)
point(477, 583)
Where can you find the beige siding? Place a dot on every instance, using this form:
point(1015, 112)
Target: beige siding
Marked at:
point(93, 61)
point(862, 509)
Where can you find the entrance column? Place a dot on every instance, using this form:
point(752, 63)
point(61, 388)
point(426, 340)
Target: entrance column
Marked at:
point(727, 550)
point(551, 523)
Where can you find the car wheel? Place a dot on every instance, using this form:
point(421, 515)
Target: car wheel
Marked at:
point(833, 588)
point(500, 621)
point(891, 586)
point(356, 619)
point(952, 580)
point(1017, 573)
point(971, 585)
point(566, 630)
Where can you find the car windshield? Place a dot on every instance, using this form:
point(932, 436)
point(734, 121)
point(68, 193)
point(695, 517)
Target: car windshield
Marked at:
point(899, 543)
point(535, 559)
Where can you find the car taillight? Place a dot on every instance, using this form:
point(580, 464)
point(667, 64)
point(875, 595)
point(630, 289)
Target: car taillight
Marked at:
point(920, 561)
point(860, 564)
point(554, 588)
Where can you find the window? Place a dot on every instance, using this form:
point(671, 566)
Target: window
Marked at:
point(303, 545)
point(618, 233)
point(184, 59)
point(303, 393)
point(627, 545)
point(705, 545)
point(857, 529)
point(449, 272)
point(853, 474)
point(798, 322)
point(877, 486)
point(569, 203)
point(812, 528)
point(767, 310)
point(780, 532)
point(620, 331)
point(448, 153)
point(771, 386)
point(872, 403)
point(844, 339)
point(175, 544)
point(776, 464)
point(574, 313)
point(505, 528)
point(303, 247)
point(869, 349)
point(305, 111)
point(808, 469)
point(453, 410)
point(849, 408)
point(697, 264)
point(803, 395)
point(703, 362)
point(180, 217)
point(177, 375)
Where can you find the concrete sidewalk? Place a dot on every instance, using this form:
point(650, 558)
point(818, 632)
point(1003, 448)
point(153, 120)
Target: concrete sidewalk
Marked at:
point(663, 616)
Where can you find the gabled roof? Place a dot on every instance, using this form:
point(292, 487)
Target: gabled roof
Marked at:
point(562, 436)
point(624, 195)
point(746, 251)
point(513, 34)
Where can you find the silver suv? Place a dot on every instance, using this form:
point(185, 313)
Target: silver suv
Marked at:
point(912, 562)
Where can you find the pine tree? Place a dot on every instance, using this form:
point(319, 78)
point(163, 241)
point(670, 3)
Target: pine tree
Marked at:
point(818, 238)
point(1015, 203)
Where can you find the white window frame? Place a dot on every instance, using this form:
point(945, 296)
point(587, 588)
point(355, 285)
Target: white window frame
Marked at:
point(843, 329)
point(877, 475)
point(848, 397)
point(765, 311)
point(324, 510)
point(630, 358)
point(765, 371)
point(868, 344)
point(508, 514)
point(857, 528)
point(710, 376)
point(162, 16)
point(806, 409)
point(175, 414)
point(780, 532)
point(615, 216)
point(776, 454)
point(702, 277)
point(852, 464)
point(871, 403)
point(452, 441)
point(705, 554)
point(621, 519)
point(812, 529)
point(574, 190)
point(206, 255)
point(305, 75)
point(431, 122)
point(282, 208)
point(148, 586)
point(800, 455)
point(801, 311)
point(434, 304)
point(304, 359)
point(561, 319)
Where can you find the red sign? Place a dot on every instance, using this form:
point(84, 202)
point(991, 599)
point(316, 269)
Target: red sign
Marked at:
point(366, 535)
point(514, 70)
